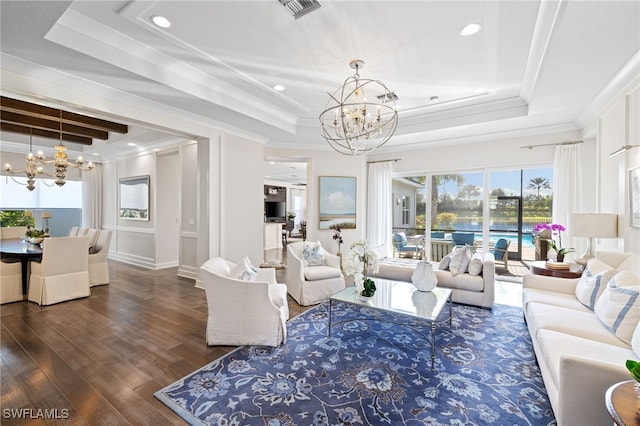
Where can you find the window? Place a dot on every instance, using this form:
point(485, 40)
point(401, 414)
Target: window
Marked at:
point(405, 210)
point(64, 203)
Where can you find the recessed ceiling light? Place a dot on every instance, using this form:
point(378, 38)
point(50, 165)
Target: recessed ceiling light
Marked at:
point(160, 21)
point(480, 90)
point(434, 98)
point(470, 29)
point(131, 144)
point(278, 87)
point(95, 153)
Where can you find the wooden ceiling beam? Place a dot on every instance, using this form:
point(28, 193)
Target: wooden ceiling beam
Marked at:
point(16, 128)
point(45, 124)
point(35, 110)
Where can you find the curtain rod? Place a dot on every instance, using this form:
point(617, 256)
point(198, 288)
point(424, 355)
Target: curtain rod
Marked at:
point(384, 161)
point(551, 144)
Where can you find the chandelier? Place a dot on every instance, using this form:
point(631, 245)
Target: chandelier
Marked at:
point(353, 124)
point(35, 164)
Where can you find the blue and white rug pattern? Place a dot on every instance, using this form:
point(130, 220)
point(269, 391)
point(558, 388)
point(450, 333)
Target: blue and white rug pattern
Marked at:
point(374, 370)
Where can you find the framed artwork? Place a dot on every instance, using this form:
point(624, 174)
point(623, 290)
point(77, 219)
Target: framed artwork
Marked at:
point(134, 198)
point(634, 197)
point(337, 204)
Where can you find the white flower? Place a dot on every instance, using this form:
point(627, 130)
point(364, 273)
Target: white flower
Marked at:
point(359, 256)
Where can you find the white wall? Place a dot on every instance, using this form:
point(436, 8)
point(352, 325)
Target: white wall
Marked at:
point(188, 210)
point(330, 163)
point(167, 208)
point(618, 125)
point(242, 199)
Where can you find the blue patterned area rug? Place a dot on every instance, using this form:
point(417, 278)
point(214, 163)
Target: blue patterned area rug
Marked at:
point(373, 371)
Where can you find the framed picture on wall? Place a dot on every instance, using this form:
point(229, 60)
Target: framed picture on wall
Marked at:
point(134, 198)
point(337, 203)
point(634, 197)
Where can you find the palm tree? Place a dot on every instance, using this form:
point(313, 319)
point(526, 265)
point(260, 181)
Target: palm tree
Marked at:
point(436, 181)
point(538, 184)
point(469, 191)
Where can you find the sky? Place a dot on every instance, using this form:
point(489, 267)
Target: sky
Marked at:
point(509, 181)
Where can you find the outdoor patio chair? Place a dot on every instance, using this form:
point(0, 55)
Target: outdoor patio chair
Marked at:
point(403, 246)
point(461, 239)
point(501, 251)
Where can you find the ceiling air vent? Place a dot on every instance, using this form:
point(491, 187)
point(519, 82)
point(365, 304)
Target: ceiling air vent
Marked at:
point(391, 96)
point(300, 8)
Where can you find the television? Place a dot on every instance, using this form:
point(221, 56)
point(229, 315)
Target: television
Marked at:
point(275, 211)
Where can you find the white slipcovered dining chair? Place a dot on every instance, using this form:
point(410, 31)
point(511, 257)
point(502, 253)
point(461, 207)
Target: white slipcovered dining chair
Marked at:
point(63, 273)
point(312, 284)
point(242, 311)
point(12, 232)
point(10, 282)
point(98, 259)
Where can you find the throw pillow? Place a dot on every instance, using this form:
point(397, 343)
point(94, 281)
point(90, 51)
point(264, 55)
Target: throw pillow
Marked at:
point(244, 270)
point(460, 261)
point(313, 254)
point(619, 306)
point(593, 282)
point(475, 265)
point(635, 340)
point(444, 263)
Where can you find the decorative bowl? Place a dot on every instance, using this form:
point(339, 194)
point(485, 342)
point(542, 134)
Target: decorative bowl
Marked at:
point(33, 240)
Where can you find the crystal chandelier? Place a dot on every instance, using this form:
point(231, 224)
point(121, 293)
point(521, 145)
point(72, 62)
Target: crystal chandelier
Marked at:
point(354, 125)
point(35, 164)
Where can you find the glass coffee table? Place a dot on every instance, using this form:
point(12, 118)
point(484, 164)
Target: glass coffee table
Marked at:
point(401, 298)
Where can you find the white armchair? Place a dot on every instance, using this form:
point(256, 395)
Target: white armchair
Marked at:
point(244, 312)
point(63, 273)
point(98, 263)
point(309, 285)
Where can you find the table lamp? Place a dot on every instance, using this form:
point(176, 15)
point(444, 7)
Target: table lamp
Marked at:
point(592, 225)
point(46, 216)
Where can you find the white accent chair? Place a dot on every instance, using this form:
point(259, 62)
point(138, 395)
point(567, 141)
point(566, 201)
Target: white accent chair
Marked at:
point(10, 282)
point(244, 312)
point(309, 285)
point(98, 260)
point(63, 273)
point(13, 232)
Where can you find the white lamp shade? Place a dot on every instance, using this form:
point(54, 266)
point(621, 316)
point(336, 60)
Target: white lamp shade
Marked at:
point(593, 225)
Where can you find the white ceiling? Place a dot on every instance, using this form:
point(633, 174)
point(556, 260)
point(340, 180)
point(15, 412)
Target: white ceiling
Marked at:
point(542, 67)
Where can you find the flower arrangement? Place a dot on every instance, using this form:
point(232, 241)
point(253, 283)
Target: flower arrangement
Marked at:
point(357, 263)
point(337, 236)
point(554, 229)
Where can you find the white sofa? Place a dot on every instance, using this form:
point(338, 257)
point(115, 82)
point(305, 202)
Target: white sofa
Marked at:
point(477, 290)
point(579, 357)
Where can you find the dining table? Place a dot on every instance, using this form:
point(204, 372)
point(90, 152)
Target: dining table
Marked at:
point(24, 251)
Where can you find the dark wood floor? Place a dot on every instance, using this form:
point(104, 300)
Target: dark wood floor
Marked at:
point(99, 360)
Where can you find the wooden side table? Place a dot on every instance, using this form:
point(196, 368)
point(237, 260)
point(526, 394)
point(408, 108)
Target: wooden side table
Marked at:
point(622, 403)
point(540, 268)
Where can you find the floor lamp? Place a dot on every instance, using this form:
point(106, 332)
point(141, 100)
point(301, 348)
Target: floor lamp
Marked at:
point(592, 225)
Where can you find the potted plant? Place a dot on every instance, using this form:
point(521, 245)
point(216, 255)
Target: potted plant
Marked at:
point(35, 236)
point(634, 369)
point(369, 288)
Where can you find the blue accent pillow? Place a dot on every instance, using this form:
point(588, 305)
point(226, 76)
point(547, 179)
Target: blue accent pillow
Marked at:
point(313, 254)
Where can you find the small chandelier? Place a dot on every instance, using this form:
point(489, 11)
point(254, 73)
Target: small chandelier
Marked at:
point(354, 125)
point(34, 164)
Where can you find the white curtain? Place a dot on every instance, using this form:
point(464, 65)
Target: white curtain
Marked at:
point(92, 198)
point(567, 178)
point(379, 221)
